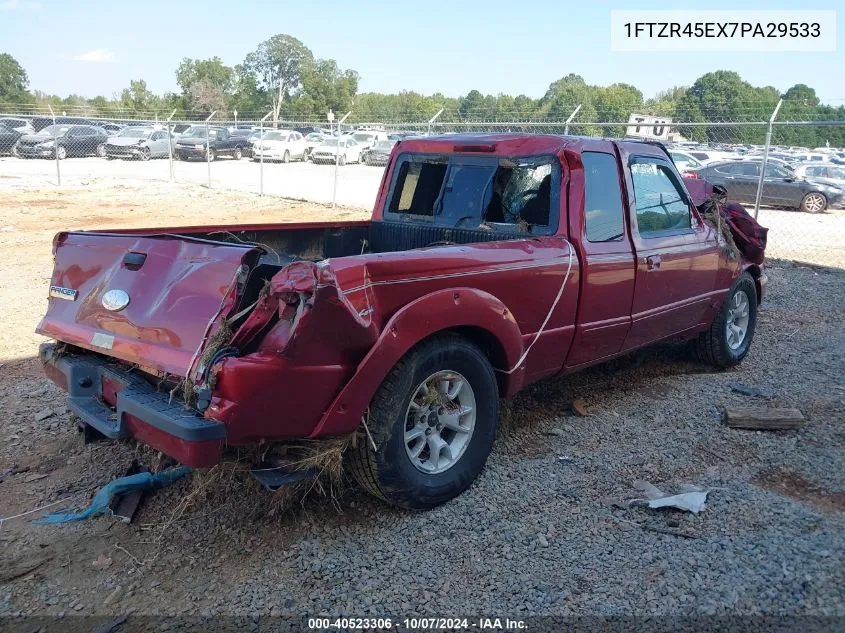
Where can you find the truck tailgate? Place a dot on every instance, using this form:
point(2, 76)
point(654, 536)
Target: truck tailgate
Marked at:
point(179, 290)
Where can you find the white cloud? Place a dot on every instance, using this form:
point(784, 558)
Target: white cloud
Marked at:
point(95, 55)
point(14, 5)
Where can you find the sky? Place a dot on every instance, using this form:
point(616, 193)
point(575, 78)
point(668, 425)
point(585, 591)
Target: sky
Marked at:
point(93, 47)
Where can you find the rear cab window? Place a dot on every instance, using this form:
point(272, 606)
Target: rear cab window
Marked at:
point(510, 195)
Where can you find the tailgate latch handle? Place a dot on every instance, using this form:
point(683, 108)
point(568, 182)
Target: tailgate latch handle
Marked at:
point(134, 261)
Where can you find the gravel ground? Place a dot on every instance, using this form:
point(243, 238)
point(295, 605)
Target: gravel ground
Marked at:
point(813, 238)
point(546, 530)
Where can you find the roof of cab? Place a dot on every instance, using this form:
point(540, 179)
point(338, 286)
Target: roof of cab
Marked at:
point(516, 144)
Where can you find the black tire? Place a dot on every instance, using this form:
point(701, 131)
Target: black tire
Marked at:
point(388, 472)
point(810, 203)
point(100, 150)
point(238, 153)
point(712, 345)
point(145, 154)
point(61, 152)
point(16, 152)
point(286, 157)
point(212, 155)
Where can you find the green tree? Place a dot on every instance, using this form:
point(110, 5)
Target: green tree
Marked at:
point(13, 80)
point(278, 64)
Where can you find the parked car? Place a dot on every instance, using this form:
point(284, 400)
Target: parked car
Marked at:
point(312, 140)
point(340, 149)
point(474, 278)
point(280, 145)
point(19, 125)
point(368, 139)
point(142, 143)
point(781, 188)
point(684, 161)
point(828, 173)
point(192, 143)
point(380, 154)
point(63, 140)
point(308, 129)
point(9, 139)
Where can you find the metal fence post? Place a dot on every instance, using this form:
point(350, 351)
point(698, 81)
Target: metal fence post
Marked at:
point(765, 159)
point(208, 148)
point(261, 153)
point(337, 157)
point(571, 116)
point(433, 119)
point(170, 144)
point(56, 147)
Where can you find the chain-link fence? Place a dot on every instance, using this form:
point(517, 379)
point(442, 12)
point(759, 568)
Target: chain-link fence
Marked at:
point(798, 194)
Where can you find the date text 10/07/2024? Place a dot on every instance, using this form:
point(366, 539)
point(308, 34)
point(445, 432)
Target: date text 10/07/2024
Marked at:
point(417, 624)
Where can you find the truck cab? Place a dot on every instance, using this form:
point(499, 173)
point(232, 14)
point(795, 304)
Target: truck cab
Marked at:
point(489, 262)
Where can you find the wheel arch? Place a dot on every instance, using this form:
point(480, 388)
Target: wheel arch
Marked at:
point(756, 273)
point(474, 314)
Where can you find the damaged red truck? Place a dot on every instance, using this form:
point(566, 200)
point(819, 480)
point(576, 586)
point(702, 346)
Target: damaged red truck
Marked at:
point(490, 262)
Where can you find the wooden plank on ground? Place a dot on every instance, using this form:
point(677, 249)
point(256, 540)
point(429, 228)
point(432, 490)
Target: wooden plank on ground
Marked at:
point(763, 418)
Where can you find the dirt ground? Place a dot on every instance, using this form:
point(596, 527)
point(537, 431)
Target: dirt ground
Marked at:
point(216, 545)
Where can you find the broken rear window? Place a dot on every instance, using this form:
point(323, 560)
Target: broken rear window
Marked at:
point(504, 194)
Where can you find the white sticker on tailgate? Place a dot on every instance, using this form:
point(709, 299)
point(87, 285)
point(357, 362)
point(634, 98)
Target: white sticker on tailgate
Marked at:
point(102, 340)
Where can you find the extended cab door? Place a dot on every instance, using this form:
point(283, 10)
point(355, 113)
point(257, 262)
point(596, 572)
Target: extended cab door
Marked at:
point(603, 241)
point(677, 254)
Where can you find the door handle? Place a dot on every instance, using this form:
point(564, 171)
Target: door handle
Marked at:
point(653, 262)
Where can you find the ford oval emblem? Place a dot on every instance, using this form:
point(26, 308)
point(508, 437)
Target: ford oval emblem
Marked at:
point(115, 300)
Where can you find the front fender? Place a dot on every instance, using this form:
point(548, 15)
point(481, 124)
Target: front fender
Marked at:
point(442, 310)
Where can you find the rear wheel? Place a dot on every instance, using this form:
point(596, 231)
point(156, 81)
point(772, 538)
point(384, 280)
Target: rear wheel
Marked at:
point(238, 153)
point(433, 421)
point(813, 202)
point(728, 340)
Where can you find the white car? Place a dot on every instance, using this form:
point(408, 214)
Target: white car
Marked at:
point(280, 145)
point(685, 162)
point(827, 173)
point(344, 149)
point(368, 139)
point(313, 140)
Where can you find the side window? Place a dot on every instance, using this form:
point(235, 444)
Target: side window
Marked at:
point(731, 169)
point(603, 198)
point(774, 171)
point(660, 201)
point(520, 193)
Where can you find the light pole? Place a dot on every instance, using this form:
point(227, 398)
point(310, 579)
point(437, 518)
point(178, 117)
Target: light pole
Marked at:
point(261, 153)
point(330, 117)
point(337, 156)
point(433, 119)
point(208, 148)
point(235, 112)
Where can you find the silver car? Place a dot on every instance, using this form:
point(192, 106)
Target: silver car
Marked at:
point(139, 142)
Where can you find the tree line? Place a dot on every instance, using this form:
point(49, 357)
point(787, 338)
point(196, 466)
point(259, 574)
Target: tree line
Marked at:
point(284, 78)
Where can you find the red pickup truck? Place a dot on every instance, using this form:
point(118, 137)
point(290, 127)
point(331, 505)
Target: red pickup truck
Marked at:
point(490, 262)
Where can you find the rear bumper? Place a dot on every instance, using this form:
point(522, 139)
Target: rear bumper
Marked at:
point(121, 404)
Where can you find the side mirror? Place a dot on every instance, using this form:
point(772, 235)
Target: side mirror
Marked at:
point(789, 179)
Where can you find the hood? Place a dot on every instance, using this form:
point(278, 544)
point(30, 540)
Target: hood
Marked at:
point(327, 149)
point(191, 140)
point(125, 141)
